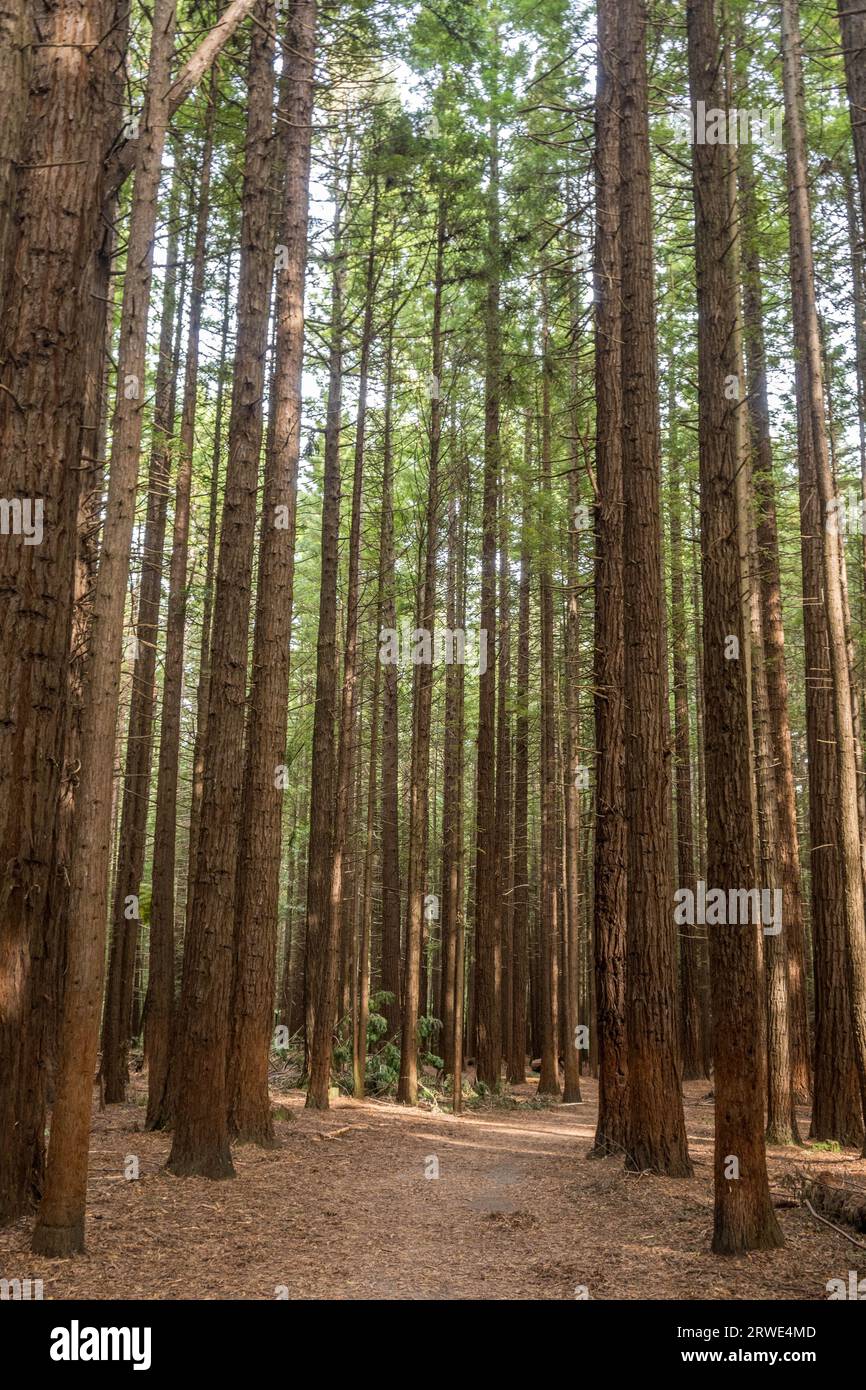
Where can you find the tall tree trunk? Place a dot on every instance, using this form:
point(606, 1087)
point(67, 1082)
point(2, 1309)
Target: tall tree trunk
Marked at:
point(160, 1011)
point(328, 938)
point(656, 1128)
point(852, 23)
point(203, 688)
point(691, 1043)
point(136, 786)
point(487, 917)
point(548, 1081)
point(389, 812)
point(520, 927)
point(744, 1218)
point(201, 1140)
point(832, 551)
point(419, 776)
point(258, 885)
point(66, 124)
point(610, 852)
point(60, 1224)
point(774, 634)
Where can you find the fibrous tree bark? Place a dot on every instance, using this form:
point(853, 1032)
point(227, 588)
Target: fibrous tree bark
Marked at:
point(201, 1141)
point(60, 1224)
point(743, 1218)
point(258, 884)
point(656, 1128)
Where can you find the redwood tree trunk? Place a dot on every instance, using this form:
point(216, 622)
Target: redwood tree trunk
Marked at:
point(656, 1128)
point(744, 1218)
point(60, 1224)
point(258, 886)
point(610, 854)
point(201, 1142)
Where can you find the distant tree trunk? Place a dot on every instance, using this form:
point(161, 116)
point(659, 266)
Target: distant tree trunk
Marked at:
point(200, 1143)
point(744, 1218)
point(203, 688)
point(258, 882)
point(774, 636)
point(852, 23)
point(452, 806)
point(327, 937)
point(139, 740)
point(504, 800)
point(160, 1009)
point(488, 1018)
point(656, 1128)
point(548, 1081)
point(58, 191)
point(419, 773)
point(832, 551)
point(60, 1224)
point(610, 853)
point(520, 928)
point(389, 813)
point(690, 1008)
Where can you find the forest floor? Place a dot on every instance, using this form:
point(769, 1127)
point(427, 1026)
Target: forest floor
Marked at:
point(342, 1209)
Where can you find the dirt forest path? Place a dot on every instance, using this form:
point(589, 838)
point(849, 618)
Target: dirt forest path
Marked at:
point(344, 1208)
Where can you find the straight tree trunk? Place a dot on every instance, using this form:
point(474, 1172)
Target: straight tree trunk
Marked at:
point(203, 688)
point(407, 1090)
point(389, 812)
point(656, 1127)
point(610, 851)
point(548, 1081)
point(46, 281)
point(200, 1144)
point(258, 885)
point(832, 551)
point(488, 1020)
point(160, 1012)
point(520, 927)
point(330, 934)
point(113, 1071)
point(774, 636)
point(691, 1043)
point(743, 1218)
point(60, 1224)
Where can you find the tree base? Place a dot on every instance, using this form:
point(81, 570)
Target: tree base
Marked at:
point(58, 1242)
point(215, 1166)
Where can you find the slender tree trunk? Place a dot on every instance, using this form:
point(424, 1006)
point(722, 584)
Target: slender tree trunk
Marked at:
point(610, 852)
point(60, 1224)
point(548, 1081)
point(330, 934)
point(407, 1090)
point(520, 927)
point(774, 636)
point(656, 1128)
point(136, 786)
point(201, 1138)
point(832, 552)
point(487, 917)
point(258, 884)
point(691, 1044)
point(203, 688)
point(744, 1218)
point(852, 23)
point(389, 813)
